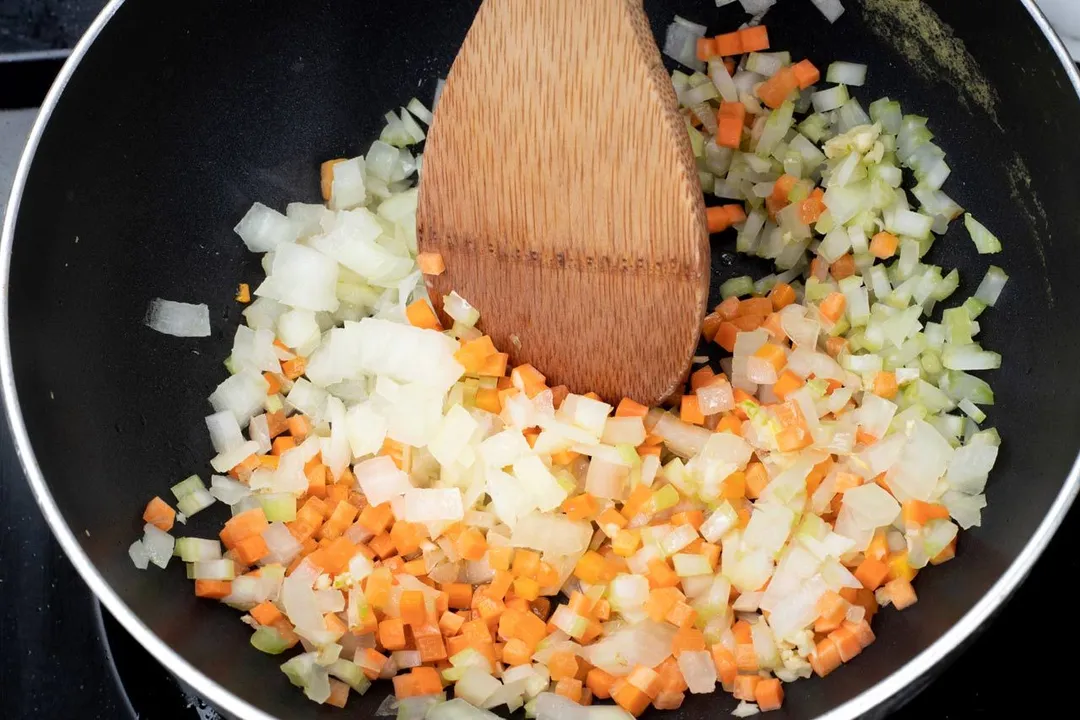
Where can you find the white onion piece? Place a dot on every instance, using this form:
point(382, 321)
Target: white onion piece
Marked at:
point(178, 319)
point(262, 229)
point(225, 432)
point(139, 555)
point(381, 480)
point(831, 9)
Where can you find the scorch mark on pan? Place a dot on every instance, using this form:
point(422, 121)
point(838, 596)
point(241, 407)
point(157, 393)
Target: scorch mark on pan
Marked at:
point(934, 52)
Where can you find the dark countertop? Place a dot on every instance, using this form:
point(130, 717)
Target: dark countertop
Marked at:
point(34, 25)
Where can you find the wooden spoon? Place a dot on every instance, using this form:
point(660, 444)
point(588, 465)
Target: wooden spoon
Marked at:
point(560, 187)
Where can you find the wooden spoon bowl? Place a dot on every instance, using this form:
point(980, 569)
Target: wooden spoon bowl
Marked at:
point(560, 187)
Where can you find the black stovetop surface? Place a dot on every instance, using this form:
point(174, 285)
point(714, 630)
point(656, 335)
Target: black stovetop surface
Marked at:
point(62, 657)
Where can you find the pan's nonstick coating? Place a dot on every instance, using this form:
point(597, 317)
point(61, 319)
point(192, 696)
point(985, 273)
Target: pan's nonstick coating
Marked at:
point(184, 113)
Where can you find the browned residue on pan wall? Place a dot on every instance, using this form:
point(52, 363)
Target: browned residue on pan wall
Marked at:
point(931, 48)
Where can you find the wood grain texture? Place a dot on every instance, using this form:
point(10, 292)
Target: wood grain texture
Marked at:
point(560, 187)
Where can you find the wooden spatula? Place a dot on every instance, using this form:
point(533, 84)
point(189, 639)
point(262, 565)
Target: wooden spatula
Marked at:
point(559, 186)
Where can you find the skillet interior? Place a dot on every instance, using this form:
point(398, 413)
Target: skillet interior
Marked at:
point(182, 114)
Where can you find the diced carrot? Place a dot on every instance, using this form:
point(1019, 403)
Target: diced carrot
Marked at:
point(376, 518)
point(745, 687)
point(215, 589)
point(339, 693)
point(918, 513)
point(772, 354)
point(746, 658)
point(871, 573)
point(726, 667)
point(516, 652)
point(885, 385)
point(781, 296)
point(293, 368)
point(599, 682)
point(159, 514)
point(806, 73)
point(687, 640)
point(420, 314)
point(729, 308)
point(405, 686)
point(473, 353)
point(729, 423)
point(282, 444)
point(547, 575)
point(427, 680)
point(488, 399)
point(611, 520)
point(499, 556)
point(562, 665)
point(251, 549)
point(243, 293)
point(774, 91)
point(862, 632)
point(412, 607)
point(769, 694)
point(883, 245)
point(706, 48)
point(661, 600)
point(725, 336)
point(793, 438)
point(831, 609)
point(570, 688)
point(786, 383)
point(729, 129)
point(273, 387)
point(266, 613)
point(494, 365)
point(756, 479)
point(661, 575)
point(834, 346)
point(729, 44)
point(701, 377)
point(581, 507)
point(825, 657)
point(681, 614)
point(431, 263)
point(947, 553)
point(812, 208)
point(832, 307)
point(754, 39)
point(671, 678)
point(471, 545)
point(843, 266)
point(392, 634)
point(901, 593)
point(299, 426)
point(248, 523)
point(526, 563)
point(846, 643)
point(690, 410)
point(593, 568)
point(500, 584)
point(528, 379)
point(431, 647)
point(645, 679)
point(629, 697)
point(450, 623)
point(755, 306)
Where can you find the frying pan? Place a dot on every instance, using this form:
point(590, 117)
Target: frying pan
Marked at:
point(171, 118)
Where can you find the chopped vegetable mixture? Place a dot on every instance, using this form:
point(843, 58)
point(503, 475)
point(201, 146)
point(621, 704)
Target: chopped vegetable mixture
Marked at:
point(408, 506)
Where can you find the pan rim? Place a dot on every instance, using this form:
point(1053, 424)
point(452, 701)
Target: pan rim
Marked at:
point(224, 699)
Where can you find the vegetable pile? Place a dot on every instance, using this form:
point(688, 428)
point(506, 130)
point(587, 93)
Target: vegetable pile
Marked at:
point(407, 506)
